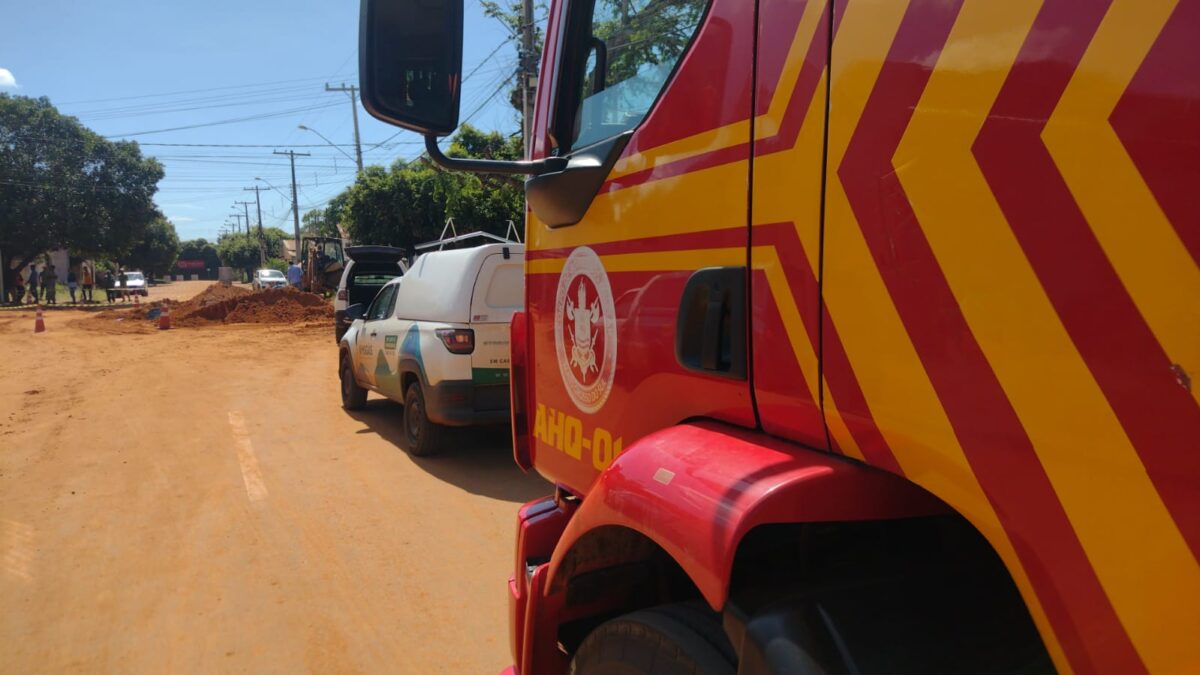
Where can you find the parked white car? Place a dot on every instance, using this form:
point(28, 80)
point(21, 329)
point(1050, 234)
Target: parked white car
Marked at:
point(135, 284)
point(268, 279)
point(437, 340)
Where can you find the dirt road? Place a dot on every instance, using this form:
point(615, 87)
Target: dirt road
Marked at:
point(195, 500)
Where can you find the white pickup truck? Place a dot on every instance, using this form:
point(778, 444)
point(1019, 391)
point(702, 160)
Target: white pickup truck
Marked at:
point(437, 340)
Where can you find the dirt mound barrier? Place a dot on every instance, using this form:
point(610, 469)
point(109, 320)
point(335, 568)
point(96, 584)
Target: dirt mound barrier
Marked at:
point(232, 304)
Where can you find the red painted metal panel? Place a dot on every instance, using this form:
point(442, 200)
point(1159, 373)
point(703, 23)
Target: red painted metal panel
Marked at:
point(697, 489)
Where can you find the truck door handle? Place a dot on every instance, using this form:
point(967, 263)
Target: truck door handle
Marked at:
point(373, 333)
point(710, 329)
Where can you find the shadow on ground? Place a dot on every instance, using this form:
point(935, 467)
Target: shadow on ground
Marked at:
point(476, 459)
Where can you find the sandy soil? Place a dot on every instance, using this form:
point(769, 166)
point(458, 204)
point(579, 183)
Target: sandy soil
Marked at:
point(195, 500)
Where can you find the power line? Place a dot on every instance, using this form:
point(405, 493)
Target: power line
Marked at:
point(234, 120)
point(197, 91)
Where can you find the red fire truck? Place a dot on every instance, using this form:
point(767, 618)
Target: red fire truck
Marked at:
point(861, 335)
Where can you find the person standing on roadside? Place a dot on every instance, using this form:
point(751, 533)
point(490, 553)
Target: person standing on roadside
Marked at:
point(72, 284)
point(88, 284)
point(32, 285)
point(50, 283)
point(18, 289)
point(122, 279)
point(294, 275)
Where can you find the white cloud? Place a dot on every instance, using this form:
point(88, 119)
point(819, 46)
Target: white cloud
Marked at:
point(7, 79)
point(182, 219)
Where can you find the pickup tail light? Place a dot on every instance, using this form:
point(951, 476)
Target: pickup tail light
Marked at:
point(343, 295)
point(457, 340)
point(518, 389)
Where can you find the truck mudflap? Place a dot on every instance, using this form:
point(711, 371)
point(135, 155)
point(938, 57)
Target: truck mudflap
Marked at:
point(532, 616)
point(696, 489)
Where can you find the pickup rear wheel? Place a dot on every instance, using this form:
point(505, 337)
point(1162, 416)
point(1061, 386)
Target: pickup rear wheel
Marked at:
point(422, 435)
point(668, 640)
point(353, 396)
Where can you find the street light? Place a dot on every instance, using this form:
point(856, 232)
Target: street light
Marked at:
point(333, 145)
point(264, 180)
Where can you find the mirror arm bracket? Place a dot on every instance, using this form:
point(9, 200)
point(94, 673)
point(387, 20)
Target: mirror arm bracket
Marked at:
point(524, 167)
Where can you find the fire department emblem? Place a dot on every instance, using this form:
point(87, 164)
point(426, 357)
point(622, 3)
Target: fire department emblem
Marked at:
point(585, 335)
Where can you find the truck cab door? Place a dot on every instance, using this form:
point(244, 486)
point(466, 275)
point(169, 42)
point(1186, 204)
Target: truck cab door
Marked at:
point(633, 246)
point(790, 123)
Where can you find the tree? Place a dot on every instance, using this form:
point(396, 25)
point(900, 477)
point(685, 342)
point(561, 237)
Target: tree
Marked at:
point(239, 251)
point(315, 223)
point(157, 251)
point(200, 249)
point(409, 203)
point(64, 186)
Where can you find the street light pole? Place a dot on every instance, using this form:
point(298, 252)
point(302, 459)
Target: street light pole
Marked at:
point(353, 91)
point(262, 250)
point(333, 145)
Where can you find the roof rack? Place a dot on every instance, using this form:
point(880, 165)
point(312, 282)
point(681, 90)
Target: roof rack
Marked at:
point(454, 237)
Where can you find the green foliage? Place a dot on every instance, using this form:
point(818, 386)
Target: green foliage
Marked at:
point(157, 251)
point(242, 250)
point(239, 251)
point(277, 264)
point(63, 186)
point(200, 249)
point(408, 204)
point(315, 223)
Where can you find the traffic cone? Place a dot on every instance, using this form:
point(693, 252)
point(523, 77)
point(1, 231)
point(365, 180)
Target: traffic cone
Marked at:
point(39, 324)
point(136, 302)
point(164, 318)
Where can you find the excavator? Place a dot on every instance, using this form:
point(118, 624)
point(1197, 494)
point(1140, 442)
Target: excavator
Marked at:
point(322, 260)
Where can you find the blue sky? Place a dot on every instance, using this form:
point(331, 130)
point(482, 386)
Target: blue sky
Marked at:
point(127, 66)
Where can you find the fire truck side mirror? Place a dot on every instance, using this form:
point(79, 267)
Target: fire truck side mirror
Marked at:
point(410, 63)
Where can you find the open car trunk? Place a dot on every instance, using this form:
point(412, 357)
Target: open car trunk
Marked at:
point(374, 266)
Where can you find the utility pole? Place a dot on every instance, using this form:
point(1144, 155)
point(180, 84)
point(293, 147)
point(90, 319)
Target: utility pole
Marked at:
point(246, 207)
point(292, 154)
point(528, 73)
point(237, 217)
point(262, 251)
point(353, 91)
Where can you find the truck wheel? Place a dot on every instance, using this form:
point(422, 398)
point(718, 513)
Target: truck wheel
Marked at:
point(353, 396)
point(422, 435)
point(667, 640)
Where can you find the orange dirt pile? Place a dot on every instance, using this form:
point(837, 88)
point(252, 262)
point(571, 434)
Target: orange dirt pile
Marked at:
point(231, 304)
point(273, 305)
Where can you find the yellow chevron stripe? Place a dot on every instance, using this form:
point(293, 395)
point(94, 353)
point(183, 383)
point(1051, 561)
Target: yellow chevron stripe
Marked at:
point(1138, 552)
point(889, 371)
point(1128, 536)
point(1143, 247)
point(700, 201)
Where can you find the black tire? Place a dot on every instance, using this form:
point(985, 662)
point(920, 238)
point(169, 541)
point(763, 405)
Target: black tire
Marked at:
point(423, 436)
point(667, 640)
point(354, 397)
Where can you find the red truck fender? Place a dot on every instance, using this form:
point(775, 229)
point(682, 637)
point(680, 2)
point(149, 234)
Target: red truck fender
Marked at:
point(696, 489)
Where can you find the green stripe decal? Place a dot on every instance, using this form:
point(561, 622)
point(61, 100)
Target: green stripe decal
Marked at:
point(489, 375)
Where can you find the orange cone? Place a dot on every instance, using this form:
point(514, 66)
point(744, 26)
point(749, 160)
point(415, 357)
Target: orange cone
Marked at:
point(164, 318)
point(39, 324)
